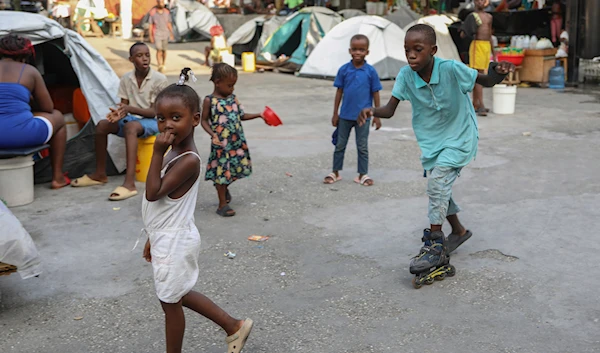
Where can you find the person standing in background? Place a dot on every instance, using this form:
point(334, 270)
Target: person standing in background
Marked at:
point(161, 29)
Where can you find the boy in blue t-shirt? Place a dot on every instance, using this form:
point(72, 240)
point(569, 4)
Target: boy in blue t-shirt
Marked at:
point(445, 126)
point(359, 85)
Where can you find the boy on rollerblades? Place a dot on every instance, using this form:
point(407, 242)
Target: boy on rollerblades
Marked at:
point(445, 125)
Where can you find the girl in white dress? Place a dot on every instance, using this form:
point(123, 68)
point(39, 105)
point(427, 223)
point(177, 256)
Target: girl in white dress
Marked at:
point(173, 245)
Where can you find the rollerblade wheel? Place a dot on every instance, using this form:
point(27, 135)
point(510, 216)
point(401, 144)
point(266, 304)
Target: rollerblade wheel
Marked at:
point(451, 271)
point(416, 282)
point(429, 280)
point(440, 277)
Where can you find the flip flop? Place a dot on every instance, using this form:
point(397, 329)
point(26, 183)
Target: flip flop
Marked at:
point(86, 181)
point(363, 180)
point(236, 342)
point(224, 211)
point(122, 193)
point(481, 112)
point(67, 183)
point(453, 241)
point(333, 178)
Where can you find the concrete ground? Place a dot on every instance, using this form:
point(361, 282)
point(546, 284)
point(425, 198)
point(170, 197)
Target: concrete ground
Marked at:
point(334, 276)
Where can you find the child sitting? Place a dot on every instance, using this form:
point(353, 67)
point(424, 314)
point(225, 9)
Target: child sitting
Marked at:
point(173, 244)
point(133, 119)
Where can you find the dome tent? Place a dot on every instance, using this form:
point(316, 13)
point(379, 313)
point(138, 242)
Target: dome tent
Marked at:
point(298, 35)
point(252, 35)
point(386, 55)
point(65, 58)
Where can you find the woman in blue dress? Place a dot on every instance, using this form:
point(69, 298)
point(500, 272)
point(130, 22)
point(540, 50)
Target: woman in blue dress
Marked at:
point(22, 125)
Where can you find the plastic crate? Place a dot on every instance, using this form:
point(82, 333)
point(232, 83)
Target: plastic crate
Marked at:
point(589, 71)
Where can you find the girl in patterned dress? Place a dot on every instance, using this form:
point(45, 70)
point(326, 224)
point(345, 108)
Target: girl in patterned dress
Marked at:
point(222, 117)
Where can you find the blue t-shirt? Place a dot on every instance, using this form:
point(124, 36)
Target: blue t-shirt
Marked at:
point(358, 86)
point(443, 119)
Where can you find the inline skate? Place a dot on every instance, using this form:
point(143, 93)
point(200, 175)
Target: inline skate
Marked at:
point(433, 261)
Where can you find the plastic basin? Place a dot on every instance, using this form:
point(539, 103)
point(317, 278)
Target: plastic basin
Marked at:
point(517, 60)
point(271, 117)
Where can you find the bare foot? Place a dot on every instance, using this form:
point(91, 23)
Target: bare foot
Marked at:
point(60, 182)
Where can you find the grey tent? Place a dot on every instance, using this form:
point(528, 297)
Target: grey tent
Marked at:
point(403, 16)
point(65, 58)
point(349, 13)
point(252, 35)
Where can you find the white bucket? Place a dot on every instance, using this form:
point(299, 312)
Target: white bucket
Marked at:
point(227, 58)
point(16, 180)
point(504, 99)
point(71, 125)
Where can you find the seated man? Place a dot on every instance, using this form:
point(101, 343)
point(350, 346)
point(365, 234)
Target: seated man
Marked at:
point(134, 118)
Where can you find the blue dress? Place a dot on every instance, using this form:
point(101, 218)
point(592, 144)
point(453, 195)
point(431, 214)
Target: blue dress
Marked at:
point(18, 126)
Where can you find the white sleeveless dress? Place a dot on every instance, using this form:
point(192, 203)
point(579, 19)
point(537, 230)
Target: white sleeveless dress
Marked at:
point(174, 240)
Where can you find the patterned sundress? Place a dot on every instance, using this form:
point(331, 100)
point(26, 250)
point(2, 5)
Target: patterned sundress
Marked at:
point(231, 160)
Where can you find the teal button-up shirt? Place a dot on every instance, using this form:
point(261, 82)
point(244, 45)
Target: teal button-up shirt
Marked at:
point(443, 119)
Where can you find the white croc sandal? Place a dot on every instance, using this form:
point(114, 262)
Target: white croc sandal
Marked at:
point(236, 342)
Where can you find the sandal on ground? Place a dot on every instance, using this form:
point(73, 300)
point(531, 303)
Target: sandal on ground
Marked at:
point(331, 178)
point(67, 183)
point(121, 193)
point(236, 342)
point(481, 112)
point(86, 181)
point(454, 240)
point(364, 181)
point(225, 211)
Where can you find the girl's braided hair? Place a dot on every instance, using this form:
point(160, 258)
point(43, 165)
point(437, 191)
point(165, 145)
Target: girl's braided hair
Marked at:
point(182, 91)
point(16, 47)
point(221, 71)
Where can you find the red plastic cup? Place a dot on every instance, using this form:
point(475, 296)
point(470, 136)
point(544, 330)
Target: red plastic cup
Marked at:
point(271, 118)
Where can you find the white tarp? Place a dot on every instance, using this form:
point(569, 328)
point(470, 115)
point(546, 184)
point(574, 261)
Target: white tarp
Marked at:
point(446, 47)
point(16, 246)
point(98, 81)
point(386, 50)
point(193, 16)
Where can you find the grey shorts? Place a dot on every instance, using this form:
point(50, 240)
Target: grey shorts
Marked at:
point(161, 44)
